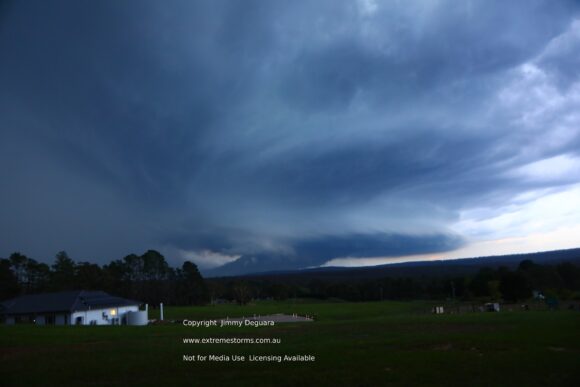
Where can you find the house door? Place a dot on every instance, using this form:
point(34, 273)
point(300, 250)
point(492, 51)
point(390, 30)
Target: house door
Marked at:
point(79, 320)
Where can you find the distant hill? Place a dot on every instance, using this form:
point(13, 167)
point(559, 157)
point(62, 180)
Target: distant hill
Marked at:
point(455, 267)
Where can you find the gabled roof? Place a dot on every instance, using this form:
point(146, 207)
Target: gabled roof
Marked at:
point(78, 300)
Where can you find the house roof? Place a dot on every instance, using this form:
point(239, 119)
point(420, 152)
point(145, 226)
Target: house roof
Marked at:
point(71, 301)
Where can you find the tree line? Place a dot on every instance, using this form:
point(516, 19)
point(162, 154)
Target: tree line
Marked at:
point(560, 281)
point(147, 278)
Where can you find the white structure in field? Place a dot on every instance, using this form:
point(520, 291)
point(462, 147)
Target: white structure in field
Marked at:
point(79, 307)
point(438, 310)
point(492, 307)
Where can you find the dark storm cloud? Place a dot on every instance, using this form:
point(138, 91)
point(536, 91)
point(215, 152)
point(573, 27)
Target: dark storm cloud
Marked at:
point(315, 252)
point(296, 133)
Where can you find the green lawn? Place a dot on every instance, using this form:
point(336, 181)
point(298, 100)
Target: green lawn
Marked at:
point(356, 344)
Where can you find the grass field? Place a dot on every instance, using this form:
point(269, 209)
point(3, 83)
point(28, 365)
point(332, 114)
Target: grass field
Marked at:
point(355, 344)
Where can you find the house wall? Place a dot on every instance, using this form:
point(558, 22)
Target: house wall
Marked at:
point(103, 316)
point(52, 319)
point(107, 316)
point(61, 319)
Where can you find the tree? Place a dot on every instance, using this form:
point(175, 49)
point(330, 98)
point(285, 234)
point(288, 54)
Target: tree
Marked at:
point(514, 287)
point(193, 286)
point(156, 273)
point(570, 275)
point(279, 291)
point(89, 276)
point(155, 268)
point(527, 265)
point(241, 292)
point(133, 268)
point(116, 279)
point(8, 281)
point(38, 276)
point(18, 262)
point(479, 286)
point(63, 272)
point(493, 289)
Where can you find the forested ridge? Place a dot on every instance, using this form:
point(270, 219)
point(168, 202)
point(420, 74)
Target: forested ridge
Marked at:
point(149, 278)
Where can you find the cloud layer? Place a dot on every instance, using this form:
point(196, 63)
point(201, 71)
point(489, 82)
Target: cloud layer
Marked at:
point(263, 134)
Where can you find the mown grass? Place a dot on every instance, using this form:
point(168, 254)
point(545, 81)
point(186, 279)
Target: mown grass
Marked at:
point(356, 344)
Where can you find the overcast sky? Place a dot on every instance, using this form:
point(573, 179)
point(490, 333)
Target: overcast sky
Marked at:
point(267, 135)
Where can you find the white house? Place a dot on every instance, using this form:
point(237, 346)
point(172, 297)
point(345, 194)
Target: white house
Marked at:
point(79, 307)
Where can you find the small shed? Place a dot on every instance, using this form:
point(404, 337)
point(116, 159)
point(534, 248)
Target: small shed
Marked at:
point(438, 310)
